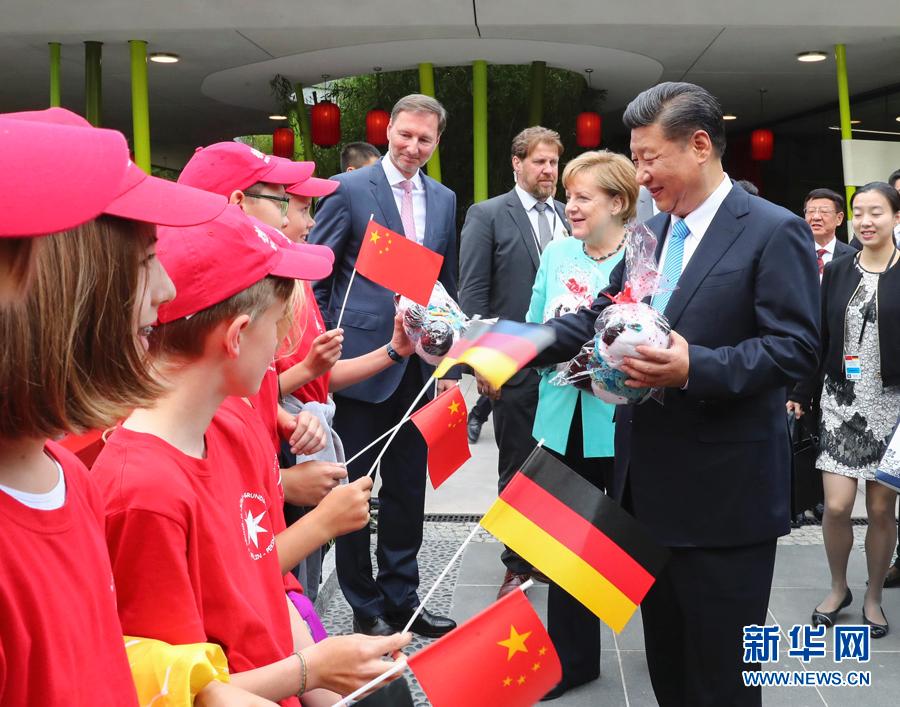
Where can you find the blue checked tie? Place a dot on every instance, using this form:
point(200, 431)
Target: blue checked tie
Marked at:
point(672, 268)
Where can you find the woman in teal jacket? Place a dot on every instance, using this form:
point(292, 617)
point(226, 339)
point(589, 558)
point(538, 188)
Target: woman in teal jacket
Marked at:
point(601, 190)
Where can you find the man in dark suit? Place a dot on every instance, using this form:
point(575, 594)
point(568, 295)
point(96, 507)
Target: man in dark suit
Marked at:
point(396, 193)
point(823, 210)
point(708, 471)
point(500, 250)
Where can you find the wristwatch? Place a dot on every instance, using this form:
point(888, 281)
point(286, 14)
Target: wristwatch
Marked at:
point(393, 355)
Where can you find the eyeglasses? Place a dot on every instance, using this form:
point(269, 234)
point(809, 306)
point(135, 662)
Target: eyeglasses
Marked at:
point(813, 210)
point(283, 201)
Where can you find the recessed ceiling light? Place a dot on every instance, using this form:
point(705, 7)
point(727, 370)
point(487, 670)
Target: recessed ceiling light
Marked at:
point(855, 122)
point(165, 58)
point(898, 118)
point(809, 57)
point(278, 117)
point(729, 116)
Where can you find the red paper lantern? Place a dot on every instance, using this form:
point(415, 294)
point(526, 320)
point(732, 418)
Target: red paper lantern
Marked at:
point(762, 145)
point(283, 143)
point(325, 119)
point(587, 129)
point(376, 126)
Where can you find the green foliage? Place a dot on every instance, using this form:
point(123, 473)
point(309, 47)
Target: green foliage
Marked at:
point(565, 95)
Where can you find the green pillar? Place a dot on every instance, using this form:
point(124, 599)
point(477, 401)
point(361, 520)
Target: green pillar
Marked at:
point(480, 128)
point(140, 104)
point(536, 110)
point(55, 95)
point(840, 56)
point(93, 88)
point(426, 86)
point(303, 121)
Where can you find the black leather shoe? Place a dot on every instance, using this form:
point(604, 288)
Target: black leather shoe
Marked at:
point(426, 624)
point(876, 630)
point(474, 429)
point(893, 577)
point(826, 618)
point(563, 687)
point(372, 626)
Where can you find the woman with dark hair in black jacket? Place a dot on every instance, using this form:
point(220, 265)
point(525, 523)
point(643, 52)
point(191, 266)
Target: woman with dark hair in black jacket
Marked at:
point(858, 387)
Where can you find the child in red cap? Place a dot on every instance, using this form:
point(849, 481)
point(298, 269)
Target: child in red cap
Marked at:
point(191, 484)
point(95, 286)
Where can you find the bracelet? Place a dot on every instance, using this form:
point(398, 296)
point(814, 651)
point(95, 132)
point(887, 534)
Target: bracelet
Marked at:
point(304, 672)
point(393, 355)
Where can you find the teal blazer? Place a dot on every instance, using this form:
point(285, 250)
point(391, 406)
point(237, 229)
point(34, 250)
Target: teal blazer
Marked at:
point(566, 280)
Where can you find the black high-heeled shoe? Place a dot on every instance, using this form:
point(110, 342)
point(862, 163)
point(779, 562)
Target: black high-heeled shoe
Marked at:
point(826, 618)
point(876, 630)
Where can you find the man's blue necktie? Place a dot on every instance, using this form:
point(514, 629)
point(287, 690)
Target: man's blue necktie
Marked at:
point(672, 267)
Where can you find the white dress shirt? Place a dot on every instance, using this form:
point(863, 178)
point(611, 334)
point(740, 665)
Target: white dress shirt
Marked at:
point(557, 227)
point(394, 177)
point(697, 222)
point(828, 255)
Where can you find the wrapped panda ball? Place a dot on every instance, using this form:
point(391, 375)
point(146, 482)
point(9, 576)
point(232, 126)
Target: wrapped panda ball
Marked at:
point(623, 327)
point(608, 383)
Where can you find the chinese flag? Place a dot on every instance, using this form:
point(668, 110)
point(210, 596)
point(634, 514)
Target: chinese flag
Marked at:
point(502, 656)
point(397, 263)
point(442, 423)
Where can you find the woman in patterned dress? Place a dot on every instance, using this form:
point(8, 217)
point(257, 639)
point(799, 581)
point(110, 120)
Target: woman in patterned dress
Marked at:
point(860, 398)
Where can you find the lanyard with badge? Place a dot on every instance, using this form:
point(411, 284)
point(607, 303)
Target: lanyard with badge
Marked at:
point(852, 366)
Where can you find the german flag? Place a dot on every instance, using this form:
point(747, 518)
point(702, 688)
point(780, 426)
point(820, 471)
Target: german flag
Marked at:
point(577, 536)
point(497, 351)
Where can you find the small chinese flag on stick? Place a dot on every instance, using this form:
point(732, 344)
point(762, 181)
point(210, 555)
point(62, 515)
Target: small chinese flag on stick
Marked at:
point(397, 263)
point(442, 423)
point(502, 656)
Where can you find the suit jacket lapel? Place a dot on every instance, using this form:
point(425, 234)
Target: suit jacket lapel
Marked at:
point(561, 212)
point(518, 214)
point(722, 232)
point(432, 239)
point(384, 198)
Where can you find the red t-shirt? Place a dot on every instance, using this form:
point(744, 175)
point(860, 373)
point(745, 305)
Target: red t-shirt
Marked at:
point(192, 541)
point(60, 638)
point(308, 324)
point(265, 402)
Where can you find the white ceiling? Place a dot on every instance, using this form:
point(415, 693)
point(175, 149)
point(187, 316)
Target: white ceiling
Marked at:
point(230, 50)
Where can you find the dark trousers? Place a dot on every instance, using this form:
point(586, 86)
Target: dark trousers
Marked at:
point(693, 624)
point(401, 502)
point(513, 422)
point(574, 629)
point(481, 410)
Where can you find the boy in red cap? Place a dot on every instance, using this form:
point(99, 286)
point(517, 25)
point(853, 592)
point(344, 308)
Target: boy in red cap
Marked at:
point(191, 484)
point(61, 641)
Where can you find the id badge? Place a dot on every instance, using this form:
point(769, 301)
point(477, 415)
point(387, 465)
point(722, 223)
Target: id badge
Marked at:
point(851, 368)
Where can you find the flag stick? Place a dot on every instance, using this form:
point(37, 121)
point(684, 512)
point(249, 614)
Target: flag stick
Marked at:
point(397, 429)
point(441, 576)
point(346, 295)
point(373, 443)
point(351, 698)
point(347, 291)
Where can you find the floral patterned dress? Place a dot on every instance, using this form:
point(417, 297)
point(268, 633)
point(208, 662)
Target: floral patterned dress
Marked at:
point(858, 416)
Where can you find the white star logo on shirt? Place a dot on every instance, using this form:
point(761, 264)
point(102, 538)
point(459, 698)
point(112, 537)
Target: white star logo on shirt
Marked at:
point(253, 527)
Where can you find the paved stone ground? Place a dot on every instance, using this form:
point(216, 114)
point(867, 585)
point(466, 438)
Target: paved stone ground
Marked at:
point(801, 580)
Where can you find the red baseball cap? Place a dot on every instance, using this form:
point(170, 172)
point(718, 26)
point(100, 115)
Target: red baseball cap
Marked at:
point(211, 262)
point(308, 249)
point(138, 195)
point(225, 167)
point(57, 175)
point(314, 186)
